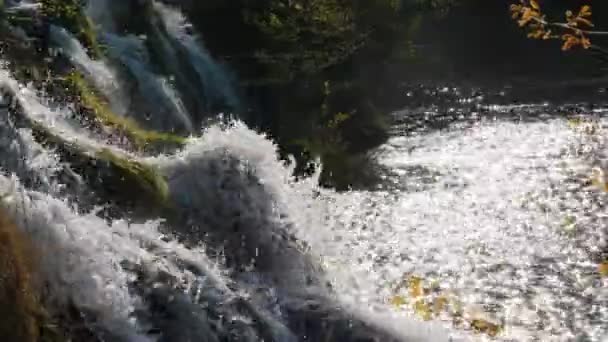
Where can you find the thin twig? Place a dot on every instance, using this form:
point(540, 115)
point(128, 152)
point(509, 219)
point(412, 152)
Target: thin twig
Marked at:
point(568, 27)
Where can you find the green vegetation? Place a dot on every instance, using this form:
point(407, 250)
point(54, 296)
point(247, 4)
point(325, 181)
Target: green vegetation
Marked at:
point(69, 14)
point(131, 174)
point(93, 103)
point(127, 182)
point(123, 180)
point(302, 64)
point(320, 76)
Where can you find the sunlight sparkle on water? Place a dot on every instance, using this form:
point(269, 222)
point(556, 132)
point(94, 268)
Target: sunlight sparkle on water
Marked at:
point(499, 216)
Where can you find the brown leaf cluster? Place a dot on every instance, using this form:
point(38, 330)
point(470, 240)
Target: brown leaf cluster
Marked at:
point(428, 302)
point(573, 33)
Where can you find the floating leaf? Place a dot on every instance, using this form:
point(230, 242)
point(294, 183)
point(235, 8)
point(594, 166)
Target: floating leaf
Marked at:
point(569, 225)
point(574, 122)
point(516, 8)
point(415, 287)
point(423, 310)
point(534, 4)
point(440, 304)
point(603, 269)
point(598, 179)
point(486, 327)
point(398, 301)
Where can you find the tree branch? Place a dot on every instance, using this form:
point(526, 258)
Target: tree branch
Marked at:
point(568, 27)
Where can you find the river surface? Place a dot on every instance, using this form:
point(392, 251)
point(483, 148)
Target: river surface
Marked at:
point(491, 209)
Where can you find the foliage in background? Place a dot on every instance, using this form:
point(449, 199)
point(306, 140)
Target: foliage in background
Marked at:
point(321, 76)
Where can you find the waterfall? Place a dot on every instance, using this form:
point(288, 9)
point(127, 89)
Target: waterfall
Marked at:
point(167, 62)
point(212, 77)
point(102, 76)
point(487, 229)
point(111, 271)
point(161, 105)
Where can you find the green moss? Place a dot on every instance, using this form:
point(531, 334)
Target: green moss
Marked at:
point(70, 15)
point(143, 176)
point(141, 138)
point(124, 180)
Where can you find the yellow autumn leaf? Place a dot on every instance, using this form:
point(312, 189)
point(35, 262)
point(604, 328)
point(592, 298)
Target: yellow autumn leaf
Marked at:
point(515, 8)
point(598, 179)
point(585, 11)
point(398, 301)
point(569, 14)
point(534, 4)
point(440, 304)
point(603, 269)
point(585, 43)
point(486, 327)
point(597, 183)
point(569, 41)
point(528, 14)
point(574, 122)
point(537, 34)
point(423, 310)
point(415, 287)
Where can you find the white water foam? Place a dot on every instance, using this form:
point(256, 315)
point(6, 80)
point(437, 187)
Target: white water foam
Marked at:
point(214, 83)
point(163, 99)
point(83, 260)
point(80, 255)
point(202, 179)
point(56, 120)
point(96, 71)
point(486, 214)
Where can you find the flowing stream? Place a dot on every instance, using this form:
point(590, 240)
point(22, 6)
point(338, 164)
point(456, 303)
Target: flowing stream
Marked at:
point(491, 222)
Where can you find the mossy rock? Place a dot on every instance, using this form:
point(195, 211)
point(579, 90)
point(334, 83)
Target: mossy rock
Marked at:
point(95, 106)
point(137, 176)
point(70, 15)
point(125, 181)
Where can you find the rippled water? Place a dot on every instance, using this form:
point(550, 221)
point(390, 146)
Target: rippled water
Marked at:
point(496, 217)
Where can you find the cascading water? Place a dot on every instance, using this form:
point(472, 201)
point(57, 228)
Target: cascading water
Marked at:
point(237, 170)
point(102, 77)
point(489, 228)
